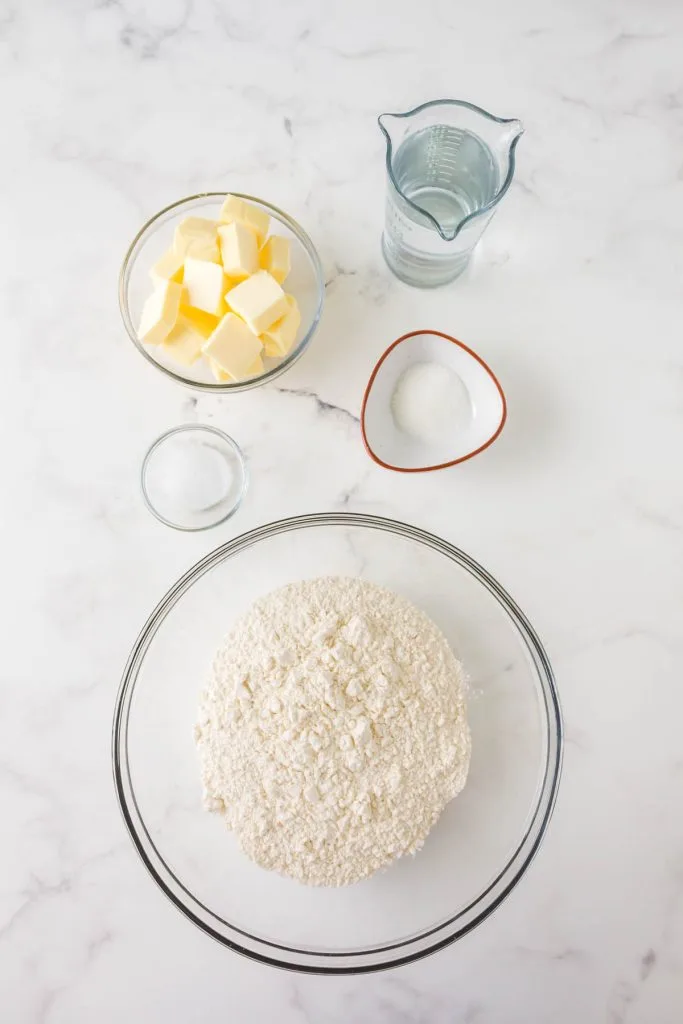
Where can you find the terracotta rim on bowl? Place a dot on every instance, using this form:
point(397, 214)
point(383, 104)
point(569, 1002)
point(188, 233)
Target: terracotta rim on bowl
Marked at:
point(441, 465)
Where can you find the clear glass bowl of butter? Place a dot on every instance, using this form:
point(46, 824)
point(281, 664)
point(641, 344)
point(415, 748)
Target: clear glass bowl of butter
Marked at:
point(305, 282)
point(481, 845)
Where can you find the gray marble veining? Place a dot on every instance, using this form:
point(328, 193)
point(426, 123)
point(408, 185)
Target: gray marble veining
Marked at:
point(113, 109)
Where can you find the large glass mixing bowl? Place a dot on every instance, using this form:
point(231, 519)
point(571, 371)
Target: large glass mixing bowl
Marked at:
point(485, 839)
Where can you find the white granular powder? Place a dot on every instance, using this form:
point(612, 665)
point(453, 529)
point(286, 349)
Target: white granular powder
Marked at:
point(332, 733)
point(431, 403)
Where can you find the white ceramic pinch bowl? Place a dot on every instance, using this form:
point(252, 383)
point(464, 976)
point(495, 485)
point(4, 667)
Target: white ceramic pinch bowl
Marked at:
point(390, 446)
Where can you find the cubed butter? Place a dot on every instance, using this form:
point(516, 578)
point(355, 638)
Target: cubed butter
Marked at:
point(239, 250)
point(259, 300)
point(201, 249)
point(196, 227)
point(231, 210)
point(202, 322)
point(256, 368)
point(279, 338)
point(197, 237)
point(270, 349)
point(258, 220)
point(236, 209)
point(218, 372)
point(168, 267)
point(204, 285)
point(184, 343)
point(275, 257)
point(160, 313)
point(233, 346)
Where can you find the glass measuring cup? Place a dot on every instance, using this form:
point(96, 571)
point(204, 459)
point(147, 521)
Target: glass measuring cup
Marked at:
point(449, 163)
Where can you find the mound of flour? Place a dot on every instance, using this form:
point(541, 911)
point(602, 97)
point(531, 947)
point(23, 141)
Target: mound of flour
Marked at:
point(332, 732)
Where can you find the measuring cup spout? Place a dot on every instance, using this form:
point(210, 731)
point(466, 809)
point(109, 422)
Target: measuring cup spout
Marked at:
point(510, 134)
point(387, 122)
point(395, 129)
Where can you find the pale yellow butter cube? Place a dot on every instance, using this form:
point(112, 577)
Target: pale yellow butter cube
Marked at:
point(202, 322)
point(275, 257)
point(231, 210)
point(259, 300)
point(239, 250)
point(233, 346)
point(168, 267)
point(279, 338)
point(201, 249)
point(258, 220)
point(196, 227)
point(236, 209)
point(256, 368)
point(218, 372)
point(197, 237)
point(184, 343)
point(270, 349)
point(204, 285)
point(160, 313)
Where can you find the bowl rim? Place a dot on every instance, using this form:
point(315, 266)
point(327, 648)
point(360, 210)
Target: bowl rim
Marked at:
point(218, 387)
point(388, 954)
point(441, 465)
point(203, 428)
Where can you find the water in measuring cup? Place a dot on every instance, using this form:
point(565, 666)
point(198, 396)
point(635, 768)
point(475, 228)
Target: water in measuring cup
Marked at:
point(450, 173)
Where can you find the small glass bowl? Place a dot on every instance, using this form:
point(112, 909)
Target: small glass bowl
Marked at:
point(193, 477)
point(305, 282)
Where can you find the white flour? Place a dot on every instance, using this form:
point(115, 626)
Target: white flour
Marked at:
point(332, 732)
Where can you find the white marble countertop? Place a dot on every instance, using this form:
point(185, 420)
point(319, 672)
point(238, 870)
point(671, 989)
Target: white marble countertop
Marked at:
point(113, 109)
